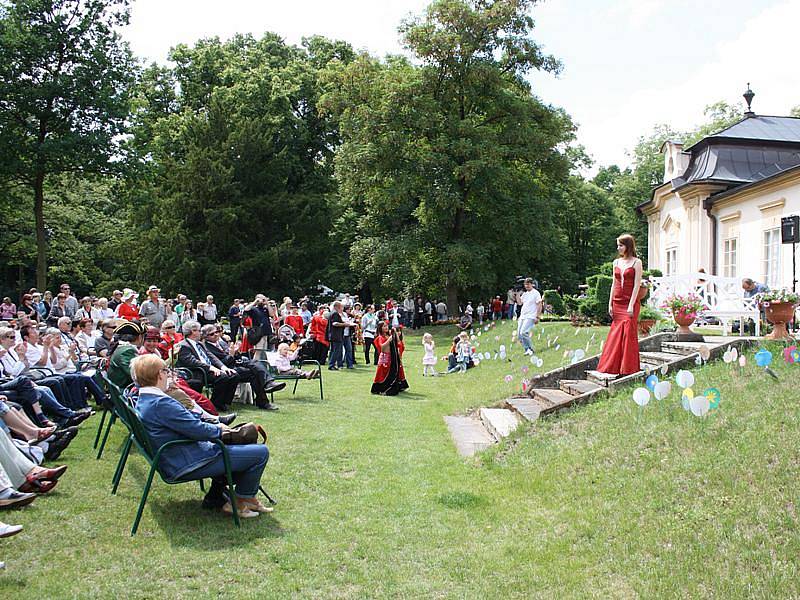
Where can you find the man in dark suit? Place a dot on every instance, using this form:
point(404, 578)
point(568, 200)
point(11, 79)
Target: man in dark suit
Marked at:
point(249, 371)
point(193, 355)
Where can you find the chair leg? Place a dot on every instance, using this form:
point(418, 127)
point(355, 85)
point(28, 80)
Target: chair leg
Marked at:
point(267, 496)
point(295, 386)
point(105, 437)
point(319, 374)
point(202, 486)
point(99, 430)
point(143, 500)
point(123, 459)
point(232, 496)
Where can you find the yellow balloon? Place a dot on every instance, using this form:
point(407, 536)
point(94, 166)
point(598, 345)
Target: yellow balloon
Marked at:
point(688, 393)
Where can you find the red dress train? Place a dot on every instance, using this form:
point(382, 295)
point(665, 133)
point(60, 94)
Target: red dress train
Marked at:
point(621, 350)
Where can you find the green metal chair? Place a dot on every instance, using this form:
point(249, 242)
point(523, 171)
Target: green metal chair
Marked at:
point(297, 378)
point(139, 437)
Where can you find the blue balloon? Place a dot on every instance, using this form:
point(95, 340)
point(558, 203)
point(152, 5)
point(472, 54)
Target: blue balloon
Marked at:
point(763, 357)
point(651, 382)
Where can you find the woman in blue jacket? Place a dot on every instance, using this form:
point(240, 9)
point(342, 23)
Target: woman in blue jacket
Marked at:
point(165, 420)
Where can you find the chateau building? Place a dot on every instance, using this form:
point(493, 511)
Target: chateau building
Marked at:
point(722, 200)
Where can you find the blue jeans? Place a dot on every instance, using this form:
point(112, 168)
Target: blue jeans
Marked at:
point(247, 464)
point(336, 358)
point(349, 359)
point(524, 333)
point(51, 406)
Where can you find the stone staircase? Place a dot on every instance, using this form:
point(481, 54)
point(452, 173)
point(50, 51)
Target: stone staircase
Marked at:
point(579, 383)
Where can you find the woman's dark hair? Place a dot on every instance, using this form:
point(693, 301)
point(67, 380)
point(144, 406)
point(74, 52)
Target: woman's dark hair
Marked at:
point(381, 326)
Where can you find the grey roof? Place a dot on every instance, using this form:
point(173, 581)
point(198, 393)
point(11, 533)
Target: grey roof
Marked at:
point(761, 128)
point(737, 164)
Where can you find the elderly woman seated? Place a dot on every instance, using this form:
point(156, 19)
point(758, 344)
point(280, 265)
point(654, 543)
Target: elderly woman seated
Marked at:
point(165, 420)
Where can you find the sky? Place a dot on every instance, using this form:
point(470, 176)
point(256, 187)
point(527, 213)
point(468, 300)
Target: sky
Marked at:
point(627, 64)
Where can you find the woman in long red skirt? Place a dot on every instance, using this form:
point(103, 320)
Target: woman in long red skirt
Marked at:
point(390, 378)
point(621, 350)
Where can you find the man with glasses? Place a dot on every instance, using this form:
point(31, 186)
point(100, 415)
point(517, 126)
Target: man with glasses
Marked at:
point(250, 371)
point(102, 343)
point(193, 355)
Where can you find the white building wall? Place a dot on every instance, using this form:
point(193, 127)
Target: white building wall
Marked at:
point(748, 220)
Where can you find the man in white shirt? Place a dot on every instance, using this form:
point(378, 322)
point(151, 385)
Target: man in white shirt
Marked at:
point(529, 315)
point(210, 310)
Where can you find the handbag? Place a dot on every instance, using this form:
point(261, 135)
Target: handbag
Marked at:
point(254, 334)
point(244, 433)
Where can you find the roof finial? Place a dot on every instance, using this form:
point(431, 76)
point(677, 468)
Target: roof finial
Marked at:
point(748, 97)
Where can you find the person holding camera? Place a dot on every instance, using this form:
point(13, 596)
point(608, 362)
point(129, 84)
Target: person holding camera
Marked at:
point(390, 378)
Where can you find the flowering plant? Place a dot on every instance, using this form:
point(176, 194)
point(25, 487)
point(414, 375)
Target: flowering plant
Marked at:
point(688, 306)
point(781, 295)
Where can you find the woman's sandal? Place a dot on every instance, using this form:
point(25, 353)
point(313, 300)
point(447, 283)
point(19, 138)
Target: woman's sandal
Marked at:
point(37, 486)
point(44, 433)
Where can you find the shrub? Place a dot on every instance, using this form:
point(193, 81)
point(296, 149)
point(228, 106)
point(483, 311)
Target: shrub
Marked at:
point(570, 303)
point(656, 273)
point(649, 313)
point(603, 295)
point(553, 299)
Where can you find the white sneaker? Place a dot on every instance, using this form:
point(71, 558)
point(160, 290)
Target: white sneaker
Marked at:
point(7, 530)
point(528, 352)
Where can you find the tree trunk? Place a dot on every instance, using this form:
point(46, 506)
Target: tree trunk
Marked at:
point(452, 300)
point(41, 240)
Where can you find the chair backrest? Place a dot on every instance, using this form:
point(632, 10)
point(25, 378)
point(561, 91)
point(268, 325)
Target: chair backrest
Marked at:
point(129, 417)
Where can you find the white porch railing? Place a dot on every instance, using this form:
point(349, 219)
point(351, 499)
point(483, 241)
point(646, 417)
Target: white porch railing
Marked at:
point(723, 297)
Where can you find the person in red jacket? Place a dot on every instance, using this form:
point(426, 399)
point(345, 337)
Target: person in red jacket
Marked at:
point(317, 331)
point(127, 310)
point(295, 321)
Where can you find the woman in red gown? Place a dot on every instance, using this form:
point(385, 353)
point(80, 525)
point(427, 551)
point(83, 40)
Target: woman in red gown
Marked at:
point(390, 378)
point(621, 350)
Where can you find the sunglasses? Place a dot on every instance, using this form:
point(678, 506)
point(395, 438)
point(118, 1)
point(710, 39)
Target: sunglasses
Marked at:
point(170, 327)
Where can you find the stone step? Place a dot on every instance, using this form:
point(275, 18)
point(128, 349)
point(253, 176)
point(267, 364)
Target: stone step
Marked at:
point(601, 379)
point(552, 399)
point(577, 387)
point(527, 408)
point(684, 348)
point(649, 367)
point(469, 435)
point(659, 358)
point(499, 422)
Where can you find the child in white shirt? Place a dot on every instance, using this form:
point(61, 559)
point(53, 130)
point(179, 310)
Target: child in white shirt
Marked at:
point(429, 359)
point(284, 363)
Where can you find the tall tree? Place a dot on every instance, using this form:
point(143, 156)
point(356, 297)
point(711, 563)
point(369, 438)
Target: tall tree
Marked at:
point(447, 170)
point(64, 82)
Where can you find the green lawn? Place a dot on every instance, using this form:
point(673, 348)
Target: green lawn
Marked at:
point(374, 502)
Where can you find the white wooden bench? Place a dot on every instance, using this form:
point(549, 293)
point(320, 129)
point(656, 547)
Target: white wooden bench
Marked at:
point(723, 297)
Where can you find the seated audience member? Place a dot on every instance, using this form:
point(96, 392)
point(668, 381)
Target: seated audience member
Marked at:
point(127, 309)
point(166, 420)
point(115, 301)
point(103, 341)
point(128, 338)
point(249, 371)
point(179, 388)
point(193, 355)
point(284, 363)
point(63, 362)
point(101, 311)
point(169, 339)
point(11, 498)
point(23, 474)
point(85, 311)
point(85, 339)
point(49, 441)
point(37, 359)
point(28, 309)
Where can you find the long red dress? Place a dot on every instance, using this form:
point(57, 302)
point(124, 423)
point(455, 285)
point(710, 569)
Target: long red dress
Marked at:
point(621, 350)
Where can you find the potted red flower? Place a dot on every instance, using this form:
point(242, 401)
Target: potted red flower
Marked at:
point(684, 310)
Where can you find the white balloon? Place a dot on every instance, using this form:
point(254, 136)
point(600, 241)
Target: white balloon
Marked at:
point(664, 368)
point(684, 378)
point(727, 356)
point(641, 396)
point(534, 360)
point(579, 354)
point(699, 405)
point(742, 360)
point(502, 355)
point(698, 360)
point(502, 348)
point(734, 354)
point(539, 362)
point(662, 390)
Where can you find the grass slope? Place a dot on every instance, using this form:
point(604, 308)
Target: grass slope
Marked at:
point(374, 502)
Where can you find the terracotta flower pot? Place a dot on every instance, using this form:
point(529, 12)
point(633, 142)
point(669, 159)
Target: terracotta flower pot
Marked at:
point(645, 325)
point(779, 313)
point(683, 322)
